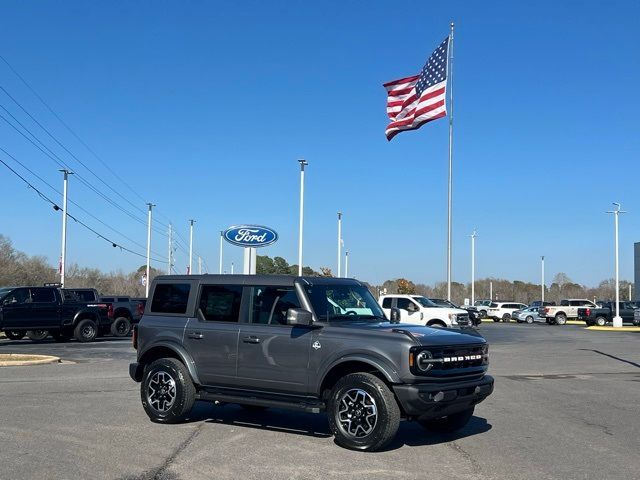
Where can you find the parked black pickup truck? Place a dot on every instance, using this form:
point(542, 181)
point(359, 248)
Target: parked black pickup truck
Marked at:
point(41, 311)
point(601, 316)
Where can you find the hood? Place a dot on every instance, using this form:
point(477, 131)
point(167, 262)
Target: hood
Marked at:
point(448, 310)
point(422, 335)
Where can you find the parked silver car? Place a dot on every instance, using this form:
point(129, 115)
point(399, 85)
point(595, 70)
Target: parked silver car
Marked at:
point(528, 315)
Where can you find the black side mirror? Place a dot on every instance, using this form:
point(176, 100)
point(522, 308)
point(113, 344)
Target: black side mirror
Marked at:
point(299, 316)
point(395, 315)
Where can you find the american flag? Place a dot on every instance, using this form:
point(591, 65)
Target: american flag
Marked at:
point(419, 99)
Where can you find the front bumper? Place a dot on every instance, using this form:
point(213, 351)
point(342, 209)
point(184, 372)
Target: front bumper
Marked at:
point(427, 400)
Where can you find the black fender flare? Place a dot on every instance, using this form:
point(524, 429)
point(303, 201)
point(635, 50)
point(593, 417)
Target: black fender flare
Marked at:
point(379, 363)
point(82, 314)
point(179, 350)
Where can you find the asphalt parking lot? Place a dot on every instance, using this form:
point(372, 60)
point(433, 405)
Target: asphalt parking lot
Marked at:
point(566, 405)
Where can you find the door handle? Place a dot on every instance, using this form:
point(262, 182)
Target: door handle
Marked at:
point(250, 339)
point(196, 335)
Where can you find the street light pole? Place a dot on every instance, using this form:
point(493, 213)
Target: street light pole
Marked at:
point(149, 218)
point(221, 239)
point(617, 320)
point(339, 244)
point(542, 283)
point(473, 267)
point(63, 253)
point(303, 163)
point(191, 222)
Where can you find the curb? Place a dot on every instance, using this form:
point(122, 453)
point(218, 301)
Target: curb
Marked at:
point(20, 360)
point(614, 329)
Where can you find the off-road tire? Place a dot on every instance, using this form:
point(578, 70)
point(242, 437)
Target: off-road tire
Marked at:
point(448, 424)
point(601, 321)
point(561, 319)
point(386, 410)
point(529, 319)
point(37, 335)
point(86, 330)
point(15, 334)
point(121, 327)
point(182, 391)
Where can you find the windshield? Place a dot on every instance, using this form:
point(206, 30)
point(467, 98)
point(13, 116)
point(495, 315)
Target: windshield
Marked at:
point(339, 302)
point(425, 302)
point(4, 291)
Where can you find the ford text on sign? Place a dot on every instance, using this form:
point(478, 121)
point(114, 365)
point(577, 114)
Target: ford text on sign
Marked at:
point(250, 236)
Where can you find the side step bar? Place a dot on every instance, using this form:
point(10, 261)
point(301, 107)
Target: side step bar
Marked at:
point(285, 402)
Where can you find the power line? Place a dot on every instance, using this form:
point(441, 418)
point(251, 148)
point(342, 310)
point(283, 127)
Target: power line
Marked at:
point(57, 208)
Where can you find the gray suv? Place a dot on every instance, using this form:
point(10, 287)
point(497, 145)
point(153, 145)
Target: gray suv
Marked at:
point(306, 343)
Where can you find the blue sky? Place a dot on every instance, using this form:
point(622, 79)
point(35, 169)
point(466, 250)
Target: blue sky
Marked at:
point(205, 107)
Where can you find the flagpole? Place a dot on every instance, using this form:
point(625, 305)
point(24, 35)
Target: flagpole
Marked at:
point(450, 77)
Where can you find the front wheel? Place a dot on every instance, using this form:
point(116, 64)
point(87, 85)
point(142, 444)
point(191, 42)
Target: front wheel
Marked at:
point(363, 412)
point(506, 317)
point(529, 319)
point(448, 424)
point(37, 335)
point(14, 334)
point(167, 392)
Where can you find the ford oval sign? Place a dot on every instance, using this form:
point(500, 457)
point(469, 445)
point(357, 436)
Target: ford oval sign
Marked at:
point(254, 236)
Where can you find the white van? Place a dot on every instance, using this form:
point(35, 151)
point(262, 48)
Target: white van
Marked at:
point(422, 311)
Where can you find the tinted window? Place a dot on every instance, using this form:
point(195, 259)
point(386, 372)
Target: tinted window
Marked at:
point(220, 303)
point(17, 297)
point(564, 303)
point(269, 305)
point(82, 295)
point(43, 295)
point(123, 299)
point(404, 303)
point(110, 299)
point(386, 303)
point(170, 298)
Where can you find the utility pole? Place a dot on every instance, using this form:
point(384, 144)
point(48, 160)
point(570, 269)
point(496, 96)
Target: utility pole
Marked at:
point(221, 240)
point(490, 290)
point(542, 283)
point(339, 244)
point(617, 320)
point(170, 249)
point(150, 205)
point(199, 265)
point(473, 267)
point(63, 254)
point(346, 264)
point(191, 222)
point(303, 163)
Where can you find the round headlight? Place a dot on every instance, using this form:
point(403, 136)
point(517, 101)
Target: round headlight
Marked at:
point(423, 361)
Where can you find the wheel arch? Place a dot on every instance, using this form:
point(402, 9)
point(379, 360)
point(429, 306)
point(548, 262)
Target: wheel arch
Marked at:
point(168, 350)
point(353, 364)
point(436, 321)
point(83, 315)
point(122, 312)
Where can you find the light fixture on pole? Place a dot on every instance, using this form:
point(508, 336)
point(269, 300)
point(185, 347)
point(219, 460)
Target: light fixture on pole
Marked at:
point(303, 163)
point(63, 253)
point(148, 279)
point(617, 320)
point(542, 283)
point(474, 235)
point(191, 222)
point(221, 240)
point(339, 244)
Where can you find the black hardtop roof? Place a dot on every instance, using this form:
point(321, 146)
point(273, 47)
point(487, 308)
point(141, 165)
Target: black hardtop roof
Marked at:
point(229, 279)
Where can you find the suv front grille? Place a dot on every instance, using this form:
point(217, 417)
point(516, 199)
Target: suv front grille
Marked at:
point(451, 361)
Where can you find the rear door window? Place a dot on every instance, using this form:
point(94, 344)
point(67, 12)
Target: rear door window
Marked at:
point(170, 298)
point(220, 303)
point(42, 295)
point(17, 297)
point(386, 303)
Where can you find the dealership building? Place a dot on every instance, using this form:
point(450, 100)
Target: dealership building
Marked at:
point(636, 269)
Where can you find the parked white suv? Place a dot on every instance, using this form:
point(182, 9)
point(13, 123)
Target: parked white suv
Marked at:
point(420, 310)
point(503, 310)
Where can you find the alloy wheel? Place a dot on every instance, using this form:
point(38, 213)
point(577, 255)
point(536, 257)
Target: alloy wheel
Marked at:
point(357, 413)
point(161, 391)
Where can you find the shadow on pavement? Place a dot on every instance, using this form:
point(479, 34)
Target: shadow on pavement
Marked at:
point(315, 425)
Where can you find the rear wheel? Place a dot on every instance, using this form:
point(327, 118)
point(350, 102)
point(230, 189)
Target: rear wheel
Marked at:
point(14, 334)
point(121, 327)
point(448, 424)
point(167, 392)
point(363, 413)
point(37, 335)
point(506, 317)
point(86, 330)
point(561, 319)
point(529, 319)
point(601, 321)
